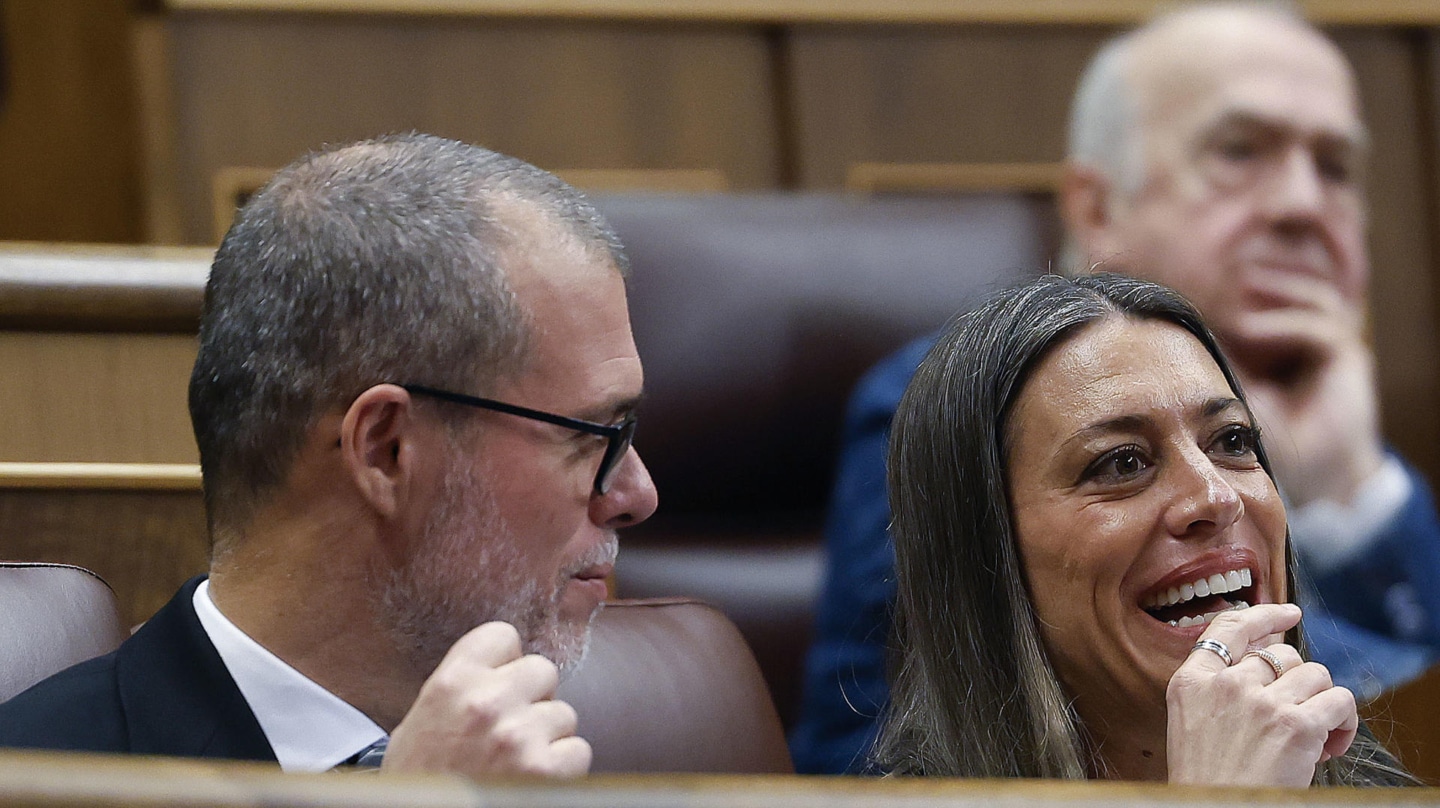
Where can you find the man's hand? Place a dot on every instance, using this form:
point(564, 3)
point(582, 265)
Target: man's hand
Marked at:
point(1310, 378)
point(488, 710)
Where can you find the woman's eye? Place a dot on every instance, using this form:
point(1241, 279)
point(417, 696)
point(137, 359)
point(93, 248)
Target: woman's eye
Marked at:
point(1118, 465)
point(1237, 440)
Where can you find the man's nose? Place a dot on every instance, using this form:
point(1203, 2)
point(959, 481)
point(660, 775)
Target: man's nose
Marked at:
point(632, 497)
point(1203, 502)
point(1296, 189)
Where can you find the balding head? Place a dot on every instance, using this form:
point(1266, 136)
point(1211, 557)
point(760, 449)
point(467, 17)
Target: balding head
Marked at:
point(1219, 150)
point(1141, 78)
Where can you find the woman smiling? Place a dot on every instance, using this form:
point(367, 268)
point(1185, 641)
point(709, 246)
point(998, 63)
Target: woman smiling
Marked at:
point(1092, 558)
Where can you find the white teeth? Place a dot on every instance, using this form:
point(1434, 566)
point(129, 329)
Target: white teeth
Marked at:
point(1186, 622)
point(1217, 584)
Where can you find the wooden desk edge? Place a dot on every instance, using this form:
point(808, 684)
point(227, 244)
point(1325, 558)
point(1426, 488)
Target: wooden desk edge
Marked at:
point(28, 778)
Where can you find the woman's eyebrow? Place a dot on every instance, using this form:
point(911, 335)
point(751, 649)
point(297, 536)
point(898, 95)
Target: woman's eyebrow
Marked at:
point(1120, 423)
point(1215, 406)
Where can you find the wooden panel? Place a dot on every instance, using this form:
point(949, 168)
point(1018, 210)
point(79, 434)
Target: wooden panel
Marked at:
point(871, 178)
point(1404, 720)
point(67, 162)
point(140, 527)
point(1403, 259)
point(144, 543)
point(647, 180)
point(96, 397)
point(253, 90)
point(932, 95)
point(1414, 12)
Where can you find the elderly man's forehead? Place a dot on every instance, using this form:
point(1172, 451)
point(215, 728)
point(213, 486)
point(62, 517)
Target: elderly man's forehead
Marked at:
point(1180, 61)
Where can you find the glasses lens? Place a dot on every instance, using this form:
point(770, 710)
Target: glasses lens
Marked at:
point(614, 454)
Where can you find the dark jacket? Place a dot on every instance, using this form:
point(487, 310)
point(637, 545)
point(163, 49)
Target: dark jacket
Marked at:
point(165, 691)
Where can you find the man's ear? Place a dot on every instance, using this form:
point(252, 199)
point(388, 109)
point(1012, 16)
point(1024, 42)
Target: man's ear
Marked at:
point(378, 446)
point(1087, 200)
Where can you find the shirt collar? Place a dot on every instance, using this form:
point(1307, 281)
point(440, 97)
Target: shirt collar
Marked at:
point(310, 728)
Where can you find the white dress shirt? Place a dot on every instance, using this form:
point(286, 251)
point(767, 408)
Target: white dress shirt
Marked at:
point(1330, 534)
point(310, 728)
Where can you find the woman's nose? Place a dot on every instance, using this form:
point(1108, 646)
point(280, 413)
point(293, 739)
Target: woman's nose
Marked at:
point(1203, 502)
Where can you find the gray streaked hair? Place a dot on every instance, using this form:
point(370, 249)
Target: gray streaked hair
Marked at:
point(356, 265)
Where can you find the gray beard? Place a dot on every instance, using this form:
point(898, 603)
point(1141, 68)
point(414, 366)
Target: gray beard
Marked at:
point(467, 570)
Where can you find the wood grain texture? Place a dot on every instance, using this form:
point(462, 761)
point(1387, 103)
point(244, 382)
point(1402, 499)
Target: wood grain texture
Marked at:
point(953, 178)
point(117, 398)
point(1404, 263)
point(912, 94)
point(260, 90)
point(143, 543)
point(67, 138)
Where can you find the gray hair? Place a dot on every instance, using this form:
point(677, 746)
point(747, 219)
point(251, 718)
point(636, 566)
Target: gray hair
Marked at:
point(974, 693)
point(379, 261)
point(1104, 118)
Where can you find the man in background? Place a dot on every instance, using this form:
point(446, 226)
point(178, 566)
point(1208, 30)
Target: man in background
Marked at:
point(1218, 150)
point(413, 398)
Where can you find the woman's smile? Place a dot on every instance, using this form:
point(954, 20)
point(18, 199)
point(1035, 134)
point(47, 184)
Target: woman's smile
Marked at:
point(1141, 508)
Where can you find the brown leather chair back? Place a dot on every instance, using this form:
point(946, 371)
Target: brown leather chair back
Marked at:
point(669, 685)
point(51, 617)
point(755, 315)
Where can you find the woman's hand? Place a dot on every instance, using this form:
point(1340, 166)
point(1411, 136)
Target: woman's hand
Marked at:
point(1242, 724)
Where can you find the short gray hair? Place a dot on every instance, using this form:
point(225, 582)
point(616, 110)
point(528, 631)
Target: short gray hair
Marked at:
point(379, 261)
point(1104, 117)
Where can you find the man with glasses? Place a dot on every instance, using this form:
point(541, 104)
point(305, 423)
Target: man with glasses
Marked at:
point(414, 399)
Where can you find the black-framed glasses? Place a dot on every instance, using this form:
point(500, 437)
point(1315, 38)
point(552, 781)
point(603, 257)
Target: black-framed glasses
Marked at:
point(620, 435)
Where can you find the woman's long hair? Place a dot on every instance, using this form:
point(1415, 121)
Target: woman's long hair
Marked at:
point(974, 693)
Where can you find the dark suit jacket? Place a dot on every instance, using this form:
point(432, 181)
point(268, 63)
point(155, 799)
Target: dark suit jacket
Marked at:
point(165, 691)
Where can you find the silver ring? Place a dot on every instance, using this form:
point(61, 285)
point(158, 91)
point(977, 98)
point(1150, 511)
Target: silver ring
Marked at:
point(1270, 658)
point(1215, 646)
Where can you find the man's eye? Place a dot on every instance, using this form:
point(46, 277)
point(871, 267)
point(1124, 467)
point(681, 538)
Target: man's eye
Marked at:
point(1237, 149)
point(1118, 465)
point(1334, 168)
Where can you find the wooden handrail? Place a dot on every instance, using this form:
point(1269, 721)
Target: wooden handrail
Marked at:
point(49, 287)
point(101, 476)
point(1002, 12)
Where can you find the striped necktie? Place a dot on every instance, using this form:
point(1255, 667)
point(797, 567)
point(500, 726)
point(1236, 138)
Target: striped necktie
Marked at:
point(370, 756)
